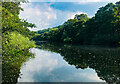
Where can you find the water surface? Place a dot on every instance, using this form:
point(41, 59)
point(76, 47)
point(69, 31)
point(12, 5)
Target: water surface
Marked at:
point(71, 63)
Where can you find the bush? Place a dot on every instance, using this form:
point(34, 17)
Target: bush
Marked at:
point(14, 44)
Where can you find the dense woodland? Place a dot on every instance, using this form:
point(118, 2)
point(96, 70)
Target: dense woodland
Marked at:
point(15, 40)
point(102, 29)
point(15, 31)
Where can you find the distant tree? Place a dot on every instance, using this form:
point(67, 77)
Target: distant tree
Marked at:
point(101, 29)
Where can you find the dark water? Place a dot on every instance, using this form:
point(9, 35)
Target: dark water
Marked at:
point(71, 63)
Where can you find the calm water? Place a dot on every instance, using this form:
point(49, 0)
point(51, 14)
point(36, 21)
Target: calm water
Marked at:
point(48, 66)
point(69, 63)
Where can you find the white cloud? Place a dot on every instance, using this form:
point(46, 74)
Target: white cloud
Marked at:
point(39, 15)
point(89, 1)
point(44, 16)
point(86, 1)
point(80, 1)
point(91, 76)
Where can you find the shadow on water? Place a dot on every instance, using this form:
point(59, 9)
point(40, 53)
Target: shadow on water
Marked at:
point(11, 67)
point(105, 61)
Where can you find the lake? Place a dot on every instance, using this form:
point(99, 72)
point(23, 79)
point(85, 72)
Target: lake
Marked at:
point(70, 63)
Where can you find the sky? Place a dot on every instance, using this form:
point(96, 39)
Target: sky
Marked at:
point(52, 13)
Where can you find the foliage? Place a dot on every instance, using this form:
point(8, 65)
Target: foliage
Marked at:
point(103, 28)
point(15, 31)
point(12, 22)
point(13, 43)
point(15, 52)
point(15, 40)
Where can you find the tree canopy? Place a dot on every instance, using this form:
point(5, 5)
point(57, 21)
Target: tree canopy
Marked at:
point(15, 40)
point(103, 28)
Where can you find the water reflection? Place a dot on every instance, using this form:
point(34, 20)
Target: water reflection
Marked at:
point(65, 63)
point(105, 61)
point(50, 67)
point(11, 67)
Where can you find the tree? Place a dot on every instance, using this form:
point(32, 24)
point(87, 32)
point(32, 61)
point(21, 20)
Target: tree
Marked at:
point(102, 29)
point(15, 41)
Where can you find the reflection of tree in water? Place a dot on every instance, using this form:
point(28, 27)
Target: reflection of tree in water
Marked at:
point(11, 67)
point(105, 61)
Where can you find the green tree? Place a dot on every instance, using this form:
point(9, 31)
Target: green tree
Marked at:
point(15, 40)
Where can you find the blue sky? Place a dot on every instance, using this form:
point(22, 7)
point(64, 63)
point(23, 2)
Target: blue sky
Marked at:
point(47, 14)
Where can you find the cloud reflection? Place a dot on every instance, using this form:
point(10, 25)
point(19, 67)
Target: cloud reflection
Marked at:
point(50, 67)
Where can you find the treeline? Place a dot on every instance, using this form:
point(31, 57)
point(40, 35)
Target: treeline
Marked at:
point(103, 28)
point(15, 40)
